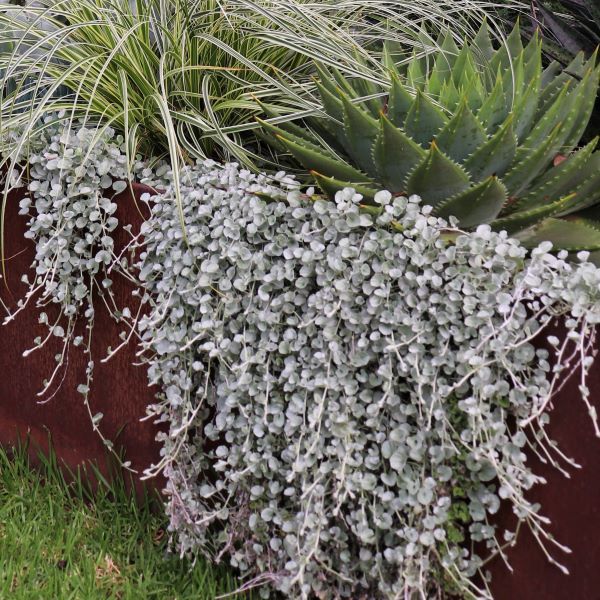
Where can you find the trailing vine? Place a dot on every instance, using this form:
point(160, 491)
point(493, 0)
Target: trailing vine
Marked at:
point(72, 177)
point(338, 385)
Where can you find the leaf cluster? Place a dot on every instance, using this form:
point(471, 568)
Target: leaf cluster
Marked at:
point(474, 132)
point(181, 76)
point(338, 382)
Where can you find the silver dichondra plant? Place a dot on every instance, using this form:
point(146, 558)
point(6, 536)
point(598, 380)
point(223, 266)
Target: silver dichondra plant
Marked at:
point(72, 176)
point(338, 385)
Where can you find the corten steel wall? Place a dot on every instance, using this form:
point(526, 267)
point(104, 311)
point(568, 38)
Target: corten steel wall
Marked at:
point(119, 390)
point(572, 505)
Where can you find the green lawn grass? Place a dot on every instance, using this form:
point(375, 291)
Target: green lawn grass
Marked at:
point(55, 543)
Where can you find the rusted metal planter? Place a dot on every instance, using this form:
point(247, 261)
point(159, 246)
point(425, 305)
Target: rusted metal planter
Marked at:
point(572, 505)
point(119, 390)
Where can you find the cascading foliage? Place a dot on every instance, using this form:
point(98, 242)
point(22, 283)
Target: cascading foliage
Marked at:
point(349, 397)
point(347, 403)
point(485, 135)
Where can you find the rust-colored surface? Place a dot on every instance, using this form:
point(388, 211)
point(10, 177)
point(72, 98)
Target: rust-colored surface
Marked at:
point(119, 390)
point(572, 505)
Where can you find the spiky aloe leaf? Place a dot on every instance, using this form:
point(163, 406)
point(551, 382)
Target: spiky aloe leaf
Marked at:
point(326, 79)
point(571, 106)
point(588, 188)
point(513, 80)
point(424, 120)
point(526, 101)
point(416, 74)
point(514, 42)
point(331, 102)
point(509, 51)
point(482, 44)
point(572, 234)
point(465, 63)
point(395, 155)
point(331, 185)
point(437, 178)
point(443, 65)
point(449, 96)
point(462, 135)
point(586, 94)
point(317, 160)
point(436, 142)
point(555, 114)
point(527, 218)
point(361, 131)
point(495, 108)
point(495, 156)
point(449, 51)
point(286, 133)
point(532, 54)
point(527, 167)
point(474, 91)
point(388, 60)
point(399, 103)
point(285, 127)
point(550, 73)
point(479, 204)
point(340, 83)
point(576, 69)
point(526, 107)
point(587, 194)
point(365, 89)
point(558, 113)
point(330, 128)
point(561, 179)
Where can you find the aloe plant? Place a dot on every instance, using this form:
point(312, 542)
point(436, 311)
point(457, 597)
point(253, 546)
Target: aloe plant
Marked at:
point(568, 27)
point(477, 132)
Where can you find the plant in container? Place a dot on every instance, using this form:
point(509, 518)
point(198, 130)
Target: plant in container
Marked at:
point(473, 137)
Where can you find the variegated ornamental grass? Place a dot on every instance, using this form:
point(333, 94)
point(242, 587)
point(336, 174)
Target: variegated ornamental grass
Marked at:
point(181, 76)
